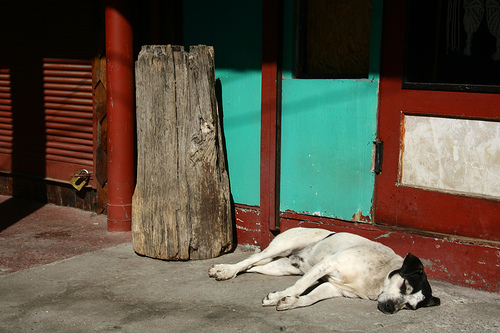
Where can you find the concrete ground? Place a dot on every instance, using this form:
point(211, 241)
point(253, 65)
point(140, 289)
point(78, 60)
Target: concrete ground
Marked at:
point(103, 286)
point(33, 234)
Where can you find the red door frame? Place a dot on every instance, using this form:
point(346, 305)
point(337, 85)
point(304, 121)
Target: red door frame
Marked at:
point(415, 208)
point(270, 119)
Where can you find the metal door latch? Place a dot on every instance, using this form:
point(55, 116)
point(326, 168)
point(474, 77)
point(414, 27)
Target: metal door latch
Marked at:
point(378, 149)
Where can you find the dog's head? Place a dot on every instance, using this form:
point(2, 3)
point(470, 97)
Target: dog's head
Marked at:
point(407, 288)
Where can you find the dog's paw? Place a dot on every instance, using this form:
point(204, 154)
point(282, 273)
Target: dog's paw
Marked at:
point(272, 299)
point(221, 272)
point(287, 303)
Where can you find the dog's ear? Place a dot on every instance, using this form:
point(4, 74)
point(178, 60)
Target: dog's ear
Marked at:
point(428, 302)
point(411, 265)
point(433, 301)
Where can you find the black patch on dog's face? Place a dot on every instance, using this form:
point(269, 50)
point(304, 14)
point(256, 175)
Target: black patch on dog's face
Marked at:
point(407, 288)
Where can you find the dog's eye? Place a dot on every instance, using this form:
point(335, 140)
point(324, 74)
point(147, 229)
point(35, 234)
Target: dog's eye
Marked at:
point(409, 306)
point(403, 288)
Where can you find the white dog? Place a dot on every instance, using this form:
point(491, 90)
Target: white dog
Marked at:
point(347, 264)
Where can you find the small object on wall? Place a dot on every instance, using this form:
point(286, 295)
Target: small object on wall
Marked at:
point(80, 179)
point(181, 208)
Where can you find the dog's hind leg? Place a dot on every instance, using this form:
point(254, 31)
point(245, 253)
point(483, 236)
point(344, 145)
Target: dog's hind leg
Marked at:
point(283, 245)
point(278, 267)
point(229, 271)
point(323, 291)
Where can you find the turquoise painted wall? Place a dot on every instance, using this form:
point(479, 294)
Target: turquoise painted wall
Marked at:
point(234, 28)
point(328, 127)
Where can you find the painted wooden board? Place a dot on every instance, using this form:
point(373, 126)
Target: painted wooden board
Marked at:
point(328, 129)
point(452, 155)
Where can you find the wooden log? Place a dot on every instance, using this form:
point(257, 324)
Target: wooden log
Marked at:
point(181, 208)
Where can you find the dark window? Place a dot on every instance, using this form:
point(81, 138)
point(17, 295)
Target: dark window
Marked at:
point(333, 38)
point(453, 45)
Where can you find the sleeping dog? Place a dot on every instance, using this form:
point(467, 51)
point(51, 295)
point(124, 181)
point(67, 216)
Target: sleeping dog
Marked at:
point(347, 265)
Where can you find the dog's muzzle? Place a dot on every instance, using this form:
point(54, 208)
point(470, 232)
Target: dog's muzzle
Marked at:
point(387, 307)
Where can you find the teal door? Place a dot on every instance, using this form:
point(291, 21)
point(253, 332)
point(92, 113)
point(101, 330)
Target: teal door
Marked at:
point(329, 113)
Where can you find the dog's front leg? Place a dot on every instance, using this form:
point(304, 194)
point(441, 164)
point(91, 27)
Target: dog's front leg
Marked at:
point(310, 277)
point(323, 291)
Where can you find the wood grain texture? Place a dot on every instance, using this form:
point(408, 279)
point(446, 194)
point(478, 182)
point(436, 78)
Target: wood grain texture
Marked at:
point(181, 207)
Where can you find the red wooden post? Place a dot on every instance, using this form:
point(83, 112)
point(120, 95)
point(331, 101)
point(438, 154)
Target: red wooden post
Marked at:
point(121, 119)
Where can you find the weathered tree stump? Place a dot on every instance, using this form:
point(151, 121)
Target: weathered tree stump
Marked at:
point(181, 207)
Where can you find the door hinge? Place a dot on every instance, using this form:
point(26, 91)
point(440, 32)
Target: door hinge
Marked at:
point(378, 148)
